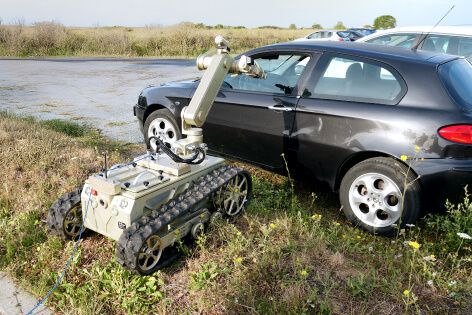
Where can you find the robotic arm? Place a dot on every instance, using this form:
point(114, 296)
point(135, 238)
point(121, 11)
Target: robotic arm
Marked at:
point(217, 67)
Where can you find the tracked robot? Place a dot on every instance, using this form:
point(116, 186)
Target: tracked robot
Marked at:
point(168, 195)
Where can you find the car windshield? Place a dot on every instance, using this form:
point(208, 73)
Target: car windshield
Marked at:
point(343, 34)
point(457, 77)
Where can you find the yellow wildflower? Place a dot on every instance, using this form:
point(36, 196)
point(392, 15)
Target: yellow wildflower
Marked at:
point(415, 245)
point(406, 292)
point(336, 223)
point(272, 225)
point(316, 217)
point(304, 273)
point(238, 260)
point(404, 158)
point(238, 233)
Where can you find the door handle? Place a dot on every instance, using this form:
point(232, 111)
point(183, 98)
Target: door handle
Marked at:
point(280, 108)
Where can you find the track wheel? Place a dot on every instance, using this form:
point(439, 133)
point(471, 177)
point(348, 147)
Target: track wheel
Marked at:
point(149, 255)
point(143, 252)
point(65, 216)
point(233, 198)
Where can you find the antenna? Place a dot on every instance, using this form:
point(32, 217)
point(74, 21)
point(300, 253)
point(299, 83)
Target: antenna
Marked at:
point(415, 47)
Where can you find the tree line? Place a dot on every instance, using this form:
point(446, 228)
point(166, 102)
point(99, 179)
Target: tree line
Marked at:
point(380, 23)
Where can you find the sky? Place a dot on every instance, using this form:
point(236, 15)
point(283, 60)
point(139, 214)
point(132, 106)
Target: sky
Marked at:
point(249, 13)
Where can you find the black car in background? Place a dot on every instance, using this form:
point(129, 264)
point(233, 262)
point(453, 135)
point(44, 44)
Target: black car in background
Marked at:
point(390, 129)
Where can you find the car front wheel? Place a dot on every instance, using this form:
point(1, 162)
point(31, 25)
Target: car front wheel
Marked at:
point(380, 194)
point(162, 124)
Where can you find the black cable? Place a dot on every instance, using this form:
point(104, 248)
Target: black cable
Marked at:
point(192, 160)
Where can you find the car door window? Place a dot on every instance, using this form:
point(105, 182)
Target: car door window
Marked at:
point(357, 80)
point(283, 72)
point(401, 40)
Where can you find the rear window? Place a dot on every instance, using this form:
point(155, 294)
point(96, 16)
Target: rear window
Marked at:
point(457, 77)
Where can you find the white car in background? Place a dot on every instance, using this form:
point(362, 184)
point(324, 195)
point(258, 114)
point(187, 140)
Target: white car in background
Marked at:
point(334, 35)
point(453, 40)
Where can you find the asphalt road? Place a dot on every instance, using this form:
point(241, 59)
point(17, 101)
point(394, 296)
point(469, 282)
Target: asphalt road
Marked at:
point(99, 92)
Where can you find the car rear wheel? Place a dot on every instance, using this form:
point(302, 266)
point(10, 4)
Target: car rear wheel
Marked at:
point(379, 194)
point(162, 124)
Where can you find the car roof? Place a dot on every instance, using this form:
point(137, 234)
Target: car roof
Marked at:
point(459, 30)
point(365, 49)
point(445, 30)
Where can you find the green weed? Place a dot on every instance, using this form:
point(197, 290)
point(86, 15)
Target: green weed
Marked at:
point(69, 128)
point(206, 276)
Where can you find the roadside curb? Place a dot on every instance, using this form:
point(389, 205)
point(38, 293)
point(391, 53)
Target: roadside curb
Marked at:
point(14, 300)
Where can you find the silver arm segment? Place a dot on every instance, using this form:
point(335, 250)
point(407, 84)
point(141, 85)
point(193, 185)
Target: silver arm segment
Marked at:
point(217, 67)
point(196, 112)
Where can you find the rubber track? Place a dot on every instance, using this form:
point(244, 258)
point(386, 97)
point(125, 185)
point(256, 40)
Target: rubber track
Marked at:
point(58, 211)
point(137, 233)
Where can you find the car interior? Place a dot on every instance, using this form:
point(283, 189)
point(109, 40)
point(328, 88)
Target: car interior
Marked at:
point(354, 80)
point(283, 72)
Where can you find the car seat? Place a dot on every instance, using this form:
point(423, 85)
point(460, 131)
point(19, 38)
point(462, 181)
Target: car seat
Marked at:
point(354, 78)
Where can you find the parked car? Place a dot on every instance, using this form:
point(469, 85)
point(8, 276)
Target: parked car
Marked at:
point(353, 35)
point(364, 31)
point(348, 113)
point(454, 40)
point(332, 35)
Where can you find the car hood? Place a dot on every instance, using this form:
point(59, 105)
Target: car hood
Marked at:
point(182, 88)
point(187, 83)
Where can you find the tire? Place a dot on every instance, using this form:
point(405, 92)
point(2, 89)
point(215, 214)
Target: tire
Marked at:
point(373, 195)
point(162, 123)
point(65, 216)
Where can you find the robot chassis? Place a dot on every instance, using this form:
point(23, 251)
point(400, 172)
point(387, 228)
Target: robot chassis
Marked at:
point(167, 195)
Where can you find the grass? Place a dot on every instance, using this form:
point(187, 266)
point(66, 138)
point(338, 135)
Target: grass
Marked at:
point(292, 252)
point(183, 40)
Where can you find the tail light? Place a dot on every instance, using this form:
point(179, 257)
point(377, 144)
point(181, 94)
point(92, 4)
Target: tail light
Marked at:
point(457, 133)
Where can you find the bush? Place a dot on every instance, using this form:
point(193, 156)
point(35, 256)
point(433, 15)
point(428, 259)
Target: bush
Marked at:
point(48, 37)
point(183, 40)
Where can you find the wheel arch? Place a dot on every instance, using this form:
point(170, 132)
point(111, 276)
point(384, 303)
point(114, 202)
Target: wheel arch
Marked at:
point(359, 157)
point(151, 108)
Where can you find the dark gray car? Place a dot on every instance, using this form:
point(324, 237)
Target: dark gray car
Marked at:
point(389, 128)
